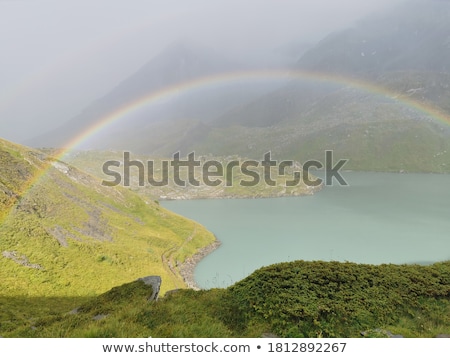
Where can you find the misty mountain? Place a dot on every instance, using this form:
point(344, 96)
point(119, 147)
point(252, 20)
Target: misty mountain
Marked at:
point(181, 64)
point(395, 59)
point(360, 97)
point(402, 50)
point(414, 36)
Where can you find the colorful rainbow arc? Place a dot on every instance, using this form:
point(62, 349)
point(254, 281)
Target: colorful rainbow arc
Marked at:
point(229, 78)
point(233, 77)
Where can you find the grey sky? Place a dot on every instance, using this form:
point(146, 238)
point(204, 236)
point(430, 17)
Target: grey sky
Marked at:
point(56, 56)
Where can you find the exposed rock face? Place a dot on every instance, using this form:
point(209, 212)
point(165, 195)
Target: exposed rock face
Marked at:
point(20, 259)
point(155, 283)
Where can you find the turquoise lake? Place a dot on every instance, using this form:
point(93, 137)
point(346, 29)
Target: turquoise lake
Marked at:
point(377, 218)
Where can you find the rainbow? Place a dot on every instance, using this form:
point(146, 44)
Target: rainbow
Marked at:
point(234, 77)
point(205, 83)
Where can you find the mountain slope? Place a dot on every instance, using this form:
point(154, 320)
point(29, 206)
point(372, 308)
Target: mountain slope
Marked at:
point(373, 131)
point(361, 100)
point(68, 236)
point(408, 37)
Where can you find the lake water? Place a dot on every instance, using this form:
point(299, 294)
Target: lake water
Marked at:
point(378, 218)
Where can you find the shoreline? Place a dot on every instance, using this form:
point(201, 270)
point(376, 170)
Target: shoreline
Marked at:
point(308, 192)
point(187, 268)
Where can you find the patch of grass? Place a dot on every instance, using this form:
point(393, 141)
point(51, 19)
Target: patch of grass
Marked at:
point(331, 299)
point(295, 299)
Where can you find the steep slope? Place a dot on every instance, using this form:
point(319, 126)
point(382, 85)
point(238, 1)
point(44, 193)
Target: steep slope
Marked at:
point(68, 236)
point(413, 36)
point(405, 48)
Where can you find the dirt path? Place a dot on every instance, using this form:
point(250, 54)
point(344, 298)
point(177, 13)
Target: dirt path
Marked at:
point(186, 269)
point(167, 258)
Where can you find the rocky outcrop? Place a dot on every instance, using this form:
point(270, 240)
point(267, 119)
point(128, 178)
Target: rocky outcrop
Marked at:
point(155, 283)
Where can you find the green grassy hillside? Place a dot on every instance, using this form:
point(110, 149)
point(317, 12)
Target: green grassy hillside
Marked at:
point(65, 238)
point(295, 299)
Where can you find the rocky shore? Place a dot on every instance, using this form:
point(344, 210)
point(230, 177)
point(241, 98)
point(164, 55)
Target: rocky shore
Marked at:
point(188, 267)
